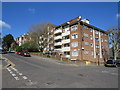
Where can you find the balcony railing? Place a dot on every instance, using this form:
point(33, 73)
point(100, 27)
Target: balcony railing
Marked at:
point(57, 37)
point(66, 33)
point(66, 41)
point(65, 49)
point(58, 43)
point(68, 56)
point(58, 31)
point(57, 50)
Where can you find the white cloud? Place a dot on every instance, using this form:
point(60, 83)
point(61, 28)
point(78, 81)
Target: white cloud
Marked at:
point(4, 24)
point(31, 10)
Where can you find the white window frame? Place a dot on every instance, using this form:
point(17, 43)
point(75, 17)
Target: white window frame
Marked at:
point(74, 44)
point(86, 35)
point(75, 27)
point(75, 53)
point(74, 37)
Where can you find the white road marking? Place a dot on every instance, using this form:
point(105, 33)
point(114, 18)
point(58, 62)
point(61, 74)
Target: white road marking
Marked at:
point(20, 74)
point(14, 69)
point(16, 78)
point(24, 77)
point(13, 74)
point(8, 69)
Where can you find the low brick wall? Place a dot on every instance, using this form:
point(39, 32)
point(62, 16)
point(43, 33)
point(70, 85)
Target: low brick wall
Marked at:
point(57, 57)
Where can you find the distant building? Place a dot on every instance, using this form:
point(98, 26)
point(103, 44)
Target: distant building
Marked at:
point(22, 39)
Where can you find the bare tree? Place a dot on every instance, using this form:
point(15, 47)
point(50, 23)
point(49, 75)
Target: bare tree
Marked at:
point(114, 39)
point(38, 34)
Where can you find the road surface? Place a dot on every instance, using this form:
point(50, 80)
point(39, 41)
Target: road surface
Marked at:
point(38, 72)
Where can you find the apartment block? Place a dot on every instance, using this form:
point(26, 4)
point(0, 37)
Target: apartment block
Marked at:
point(78, 40)
point(22, 39)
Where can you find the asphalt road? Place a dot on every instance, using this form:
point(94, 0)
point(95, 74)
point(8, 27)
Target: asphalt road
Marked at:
point(38, 72)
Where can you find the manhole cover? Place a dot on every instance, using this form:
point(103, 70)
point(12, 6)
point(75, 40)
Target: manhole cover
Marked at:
point(80, 75)
point(30, 83)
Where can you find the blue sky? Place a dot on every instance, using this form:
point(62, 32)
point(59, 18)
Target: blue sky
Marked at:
point(20, 16)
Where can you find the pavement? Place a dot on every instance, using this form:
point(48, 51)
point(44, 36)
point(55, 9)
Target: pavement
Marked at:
point(39, 72)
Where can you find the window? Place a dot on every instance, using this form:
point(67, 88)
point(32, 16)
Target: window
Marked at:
point(91, 30)
point(105, 34)
point(67, 53)
point(91, 44)
point(85, 26)
point(66, 37)
point(101, 33)
point(66, 28)
point(73, 28)
point(102, 47)
point(74, 53)
point(97, 39)
point(86, 43)
point(66, 45)
point(85, 52)
point(74, 44)
point(86, 35)
point(74, 36)
point(97, 53)
point(101, 40)
point(97, 46)
point(96, 32)
point(91, 37)
point(51, 48)
point(92, 53)
point(105, 40)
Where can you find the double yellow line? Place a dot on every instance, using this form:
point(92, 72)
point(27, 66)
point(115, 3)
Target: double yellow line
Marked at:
point(11, 63)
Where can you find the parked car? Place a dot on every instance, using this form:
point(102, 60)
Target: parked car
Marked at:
point(19, 52)
point(4, 52)
point(112, 63)
point(26, 53)
point(11, 51)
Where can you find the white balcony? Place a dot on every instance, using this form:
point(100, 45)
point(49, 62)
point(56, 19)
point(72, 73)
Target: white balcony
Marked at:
point(58, 31)
point(68, 56)
point(65, 49)
point(66, 33)
point(57, 50)
point(57, 37)
point(65, 41)
point(67, 29)
point(58, 43)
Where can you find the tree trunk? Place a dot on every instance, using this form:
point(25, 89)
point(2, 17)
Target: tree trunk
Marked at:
point(115, 55)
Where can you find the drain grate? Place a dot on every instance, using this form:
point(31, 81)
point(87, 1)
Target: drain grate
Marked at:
point(49, 83)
